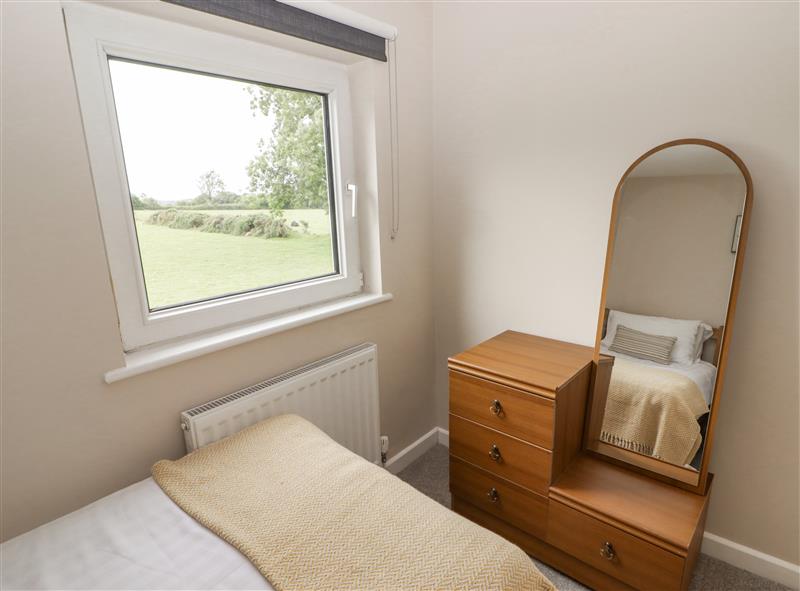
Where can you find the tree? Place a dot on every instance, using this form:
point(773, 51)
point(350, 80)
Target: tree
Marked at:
point(210, 184)
point(144, 202)
point(291, 170)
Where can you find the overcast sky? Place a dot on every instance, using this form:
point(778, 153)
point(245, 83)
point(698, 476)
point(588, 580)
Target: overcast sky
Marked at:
point(177, 125)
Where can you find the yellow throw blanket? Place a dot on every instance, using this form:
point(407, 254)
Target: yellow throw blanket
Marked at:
point(653, 411)
point(311, 515)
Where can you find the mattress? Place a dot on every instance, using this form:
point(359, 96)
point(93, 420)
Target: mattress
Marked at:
point(700, 372)
point(135, 538)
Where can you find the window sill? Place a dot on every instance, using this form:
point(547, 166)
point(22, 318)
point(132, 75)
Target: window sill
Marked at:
point(158, 356)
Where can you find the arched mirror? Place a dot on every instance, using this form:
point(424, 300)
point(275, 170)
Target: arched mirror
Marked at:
point(675, 253)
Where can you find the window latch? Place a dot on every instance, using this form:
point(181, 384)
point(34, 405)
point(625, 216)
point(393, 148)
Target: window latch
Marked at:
point(354, 190)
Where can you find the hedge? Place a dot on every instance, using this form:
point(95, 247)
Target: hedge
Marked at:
point(262, 225)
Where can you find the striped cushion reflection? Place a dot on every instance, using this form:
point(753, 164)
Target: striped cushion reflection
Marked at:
point(642, 345)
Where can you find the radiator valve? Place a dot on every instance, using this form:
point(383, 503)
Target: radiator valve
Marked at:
point(384, 448)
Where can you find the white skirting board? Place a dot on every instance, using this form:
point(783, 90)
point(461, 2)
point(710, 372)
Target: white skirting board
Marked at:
point(740, 556)
point(406, 456)
point(764, 565)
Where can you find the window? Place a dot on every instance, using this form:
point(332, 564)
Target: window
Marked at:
point(221, 170)
point(228, 180)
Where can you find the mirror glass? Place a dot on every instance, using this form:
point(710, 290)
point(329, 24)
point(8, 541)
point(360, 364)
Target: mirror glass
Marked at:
point(675, 241)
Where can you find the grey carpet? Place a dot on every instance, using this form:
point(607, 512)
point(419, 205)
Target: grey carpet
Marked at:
point(429, 475)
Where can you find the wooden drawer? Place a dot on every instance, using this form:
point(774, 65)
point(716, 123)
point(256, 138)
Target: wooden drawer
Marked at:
point(635, 562)
point(503, 455)
point(526, 416)
point(515, 505)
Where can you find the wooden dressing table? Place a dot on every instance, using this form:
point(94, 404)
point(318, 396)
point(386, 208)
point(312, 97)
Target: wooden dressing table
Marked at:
point(517, 411)
point(595, 459)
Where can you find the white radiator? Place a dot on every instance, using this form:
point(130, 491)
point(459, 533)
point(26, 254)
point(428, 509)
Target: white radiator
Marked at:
point(339, 394)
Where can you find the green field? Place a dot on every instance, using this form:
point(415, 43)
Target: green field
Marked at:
point(188, 265)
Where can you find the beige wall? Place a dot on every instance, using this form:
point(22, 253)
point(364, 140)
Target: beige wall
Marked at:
point(538, 110)
point(67, 437)
point(672, 250)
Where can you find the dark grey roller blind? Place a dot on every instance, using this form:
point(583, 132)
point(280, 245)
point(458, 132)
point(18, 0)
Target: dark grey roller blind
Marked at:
point(273, 15)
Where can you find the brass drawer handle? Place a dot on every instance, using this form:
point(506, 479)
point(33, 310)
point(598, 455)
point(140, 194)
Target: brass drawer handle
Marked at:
point(494, 453)
point(496, 408)
point(493, 495)
point(607, 551)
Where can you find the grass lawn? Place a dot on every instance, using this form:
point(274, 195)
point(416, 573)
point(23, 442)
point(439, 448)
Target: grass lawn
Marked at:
point(187, 265)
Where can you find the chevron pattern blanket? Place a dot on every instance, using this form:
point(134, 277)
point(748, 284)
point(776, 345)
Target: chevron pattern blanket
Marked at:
point(653, 411)
point(311, 515)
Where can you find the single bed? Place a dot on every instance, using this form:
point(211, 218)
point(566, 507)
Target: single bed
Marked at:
point(658, 409)
point(702, 373)
point(135, 538)
point(278, 505)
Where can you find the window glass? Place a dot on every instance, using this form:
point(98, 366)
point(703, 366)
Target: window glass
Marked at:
point(230, 182)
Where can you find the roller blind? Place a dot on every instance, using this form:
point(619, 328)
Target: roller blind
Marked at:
point(283, 18)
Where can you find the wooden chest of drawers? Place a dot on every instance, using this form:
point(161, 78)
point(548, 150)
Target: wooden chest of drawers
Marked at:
point(507, 397)
point(517, 410)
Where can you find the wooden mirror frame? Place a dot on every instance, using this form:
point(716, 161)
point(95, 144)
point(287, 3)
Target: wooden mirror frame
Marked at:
point(677, 475)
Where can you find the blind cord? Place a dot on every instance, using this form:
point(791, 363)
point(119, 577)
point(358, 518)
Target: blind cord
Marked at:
point(394, 132)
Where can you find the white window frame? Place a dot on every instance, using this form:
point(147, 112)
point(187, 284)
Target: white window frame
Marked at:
point(97, 32)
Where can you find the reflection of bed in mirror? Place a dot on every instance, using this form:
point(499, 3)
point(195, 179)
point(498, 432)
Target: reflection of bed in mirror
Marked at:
point(660, 408)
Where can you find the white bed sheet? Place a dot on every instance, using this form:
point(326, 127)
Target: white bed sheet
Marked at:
point(135, 538)
point(700, 372)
